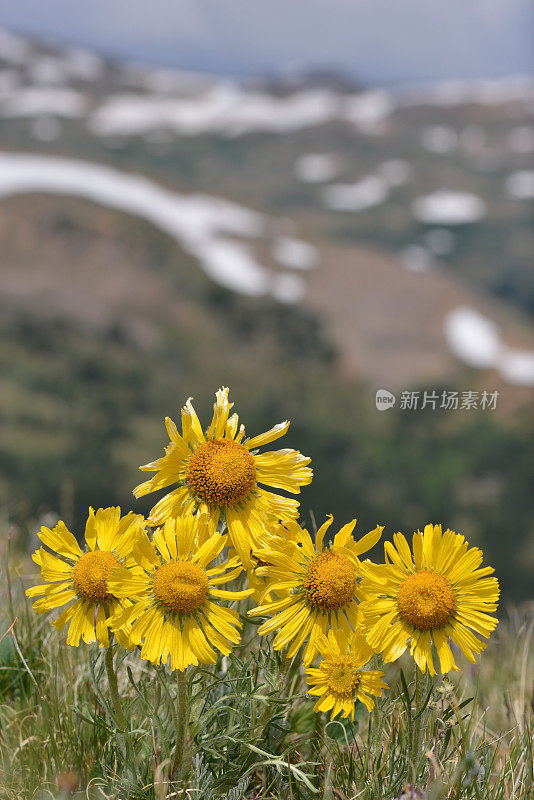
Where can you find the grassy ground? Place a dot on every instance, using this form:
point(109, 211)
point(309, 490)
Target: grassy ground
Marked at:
point(253, 732)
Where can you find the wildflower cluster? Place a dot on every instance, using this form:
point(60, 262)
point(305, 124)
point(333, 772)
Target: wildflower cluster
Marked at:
point(165, 586)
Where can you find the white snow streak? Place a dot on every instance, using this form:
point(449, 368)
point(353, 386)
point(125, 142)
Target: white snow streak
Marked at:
point(204, 226)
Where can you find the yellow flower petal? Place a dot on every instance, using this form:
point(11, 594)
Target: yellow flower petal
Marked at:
point(269, 436)
point(61, 540)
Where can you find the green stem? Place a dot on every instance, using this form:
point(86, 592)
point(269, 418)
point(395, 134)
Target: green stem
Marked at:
point(114, 689)
point(180, 762)
point(374, 736)
point(267, 711)
point(319, 734)
point(120, 719)
point(422, 687)
point(266, 715)
point(368, 746)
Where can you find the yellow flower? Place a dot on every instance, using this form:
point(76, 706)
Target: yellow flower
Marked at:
point(340, 679)
point(219, 472)
point(436, 594)
point(322, 584)
point(81, 576)
point(174, 613)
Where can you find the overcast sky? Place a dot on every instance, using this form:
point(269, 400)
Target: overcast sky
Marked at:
point(376, 40)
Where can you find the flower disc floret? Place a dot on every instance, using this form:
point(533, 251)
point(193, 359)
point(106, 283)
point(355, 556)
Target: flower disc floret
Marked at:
point(426, 600)
point(91, 573)
point(342, 676)
point(181, 586)
point(330, 581)
point(221, 472)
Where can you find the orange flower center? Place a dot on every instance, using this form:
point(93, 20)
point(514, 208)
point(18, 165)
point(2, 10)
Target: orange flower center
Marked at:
point(426, 600)
point(91, 573)
point(222, 472)
point(181, 586)
point(329, 582)
point(342, 676)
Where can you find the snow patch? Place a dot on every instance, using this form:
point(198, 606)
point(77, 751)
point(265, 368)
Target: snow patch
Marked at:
point(444, 207)
point(225, 108)
point(369, 110)
point(472, 338)
point(35, 102)
point(316, 167)
point(517, 366)
point(476, 340)
point(520, 185)
point(365, 193)
point(294, 253)
point(207, 227)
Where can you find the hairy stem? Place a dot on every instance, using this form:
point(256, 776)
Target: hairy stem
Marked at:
point(319, 736)
point(114, 689)
point(267, 711)
point(422, 687)
point(180, 764)
point(120, 719)
point(265, 716)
